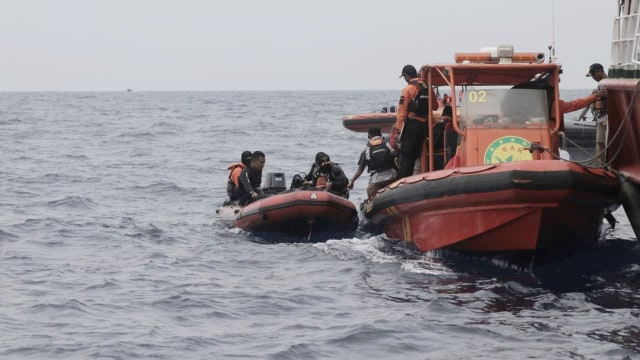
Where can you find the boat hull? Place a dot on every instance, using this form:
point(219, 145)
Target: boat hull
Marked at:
point(362, 122)
point(526, 205)
point(299, 213)
point(623, 141)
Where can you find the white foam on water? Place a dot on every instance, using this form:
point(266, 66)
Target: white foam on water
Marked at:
point(347, 249)
point(425, 266)
point(373, 249)
point(235, 230)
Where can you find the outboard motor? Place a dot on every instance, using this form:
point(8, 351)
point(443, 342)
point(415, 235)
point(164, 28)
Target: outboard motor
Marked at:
point(274, 183)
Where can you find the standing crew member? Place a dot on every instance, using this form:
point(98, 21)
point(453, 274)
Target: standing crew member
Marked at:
point(596, 71)
point(411, 123)
point(378, 157)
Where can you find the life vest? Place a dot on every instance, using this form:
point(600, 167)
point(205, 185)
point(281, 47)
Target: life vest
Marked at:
point(235, 170)
point(379, 155)
point(419, 105)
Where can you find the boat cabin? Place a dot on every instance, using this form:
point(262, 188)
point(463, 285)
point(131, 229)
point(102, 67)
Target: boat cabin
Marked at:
point(505, 111)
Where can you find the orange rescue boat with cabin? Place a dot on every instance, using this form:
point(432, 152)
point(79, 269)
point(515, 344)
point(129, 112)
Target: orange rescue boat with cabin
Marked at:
point(506, 188)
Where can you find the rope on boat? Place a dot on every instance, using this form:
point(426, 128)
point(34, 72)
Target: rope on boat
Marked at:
point(579, 162)
point(625, 123)
point(579, 148)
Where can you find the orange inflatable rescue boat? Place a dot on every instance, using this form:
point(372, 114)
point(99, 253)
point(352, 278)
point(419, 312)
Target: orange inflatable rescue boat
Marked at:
point(303, 214)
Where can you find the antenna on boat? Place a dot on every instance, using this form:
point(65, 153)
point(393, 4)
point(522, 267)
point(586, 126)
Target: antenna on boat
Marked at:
point(552, 47)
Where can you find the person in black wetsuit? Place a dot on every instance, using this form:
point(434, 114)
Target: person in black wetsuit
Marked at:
point(251, 178)
point(334, 179)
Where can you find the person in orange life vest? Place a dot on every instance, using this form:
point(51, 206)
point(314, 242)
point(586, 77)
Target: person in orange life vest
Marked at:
point(378, 157)
point(326, 173)
point(410, 130)
point(233, 184)
point(250, 179)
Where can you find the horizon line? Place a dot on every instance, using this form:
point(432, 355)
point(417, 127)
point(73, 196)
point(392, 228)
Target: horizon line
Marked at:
point(234, 90)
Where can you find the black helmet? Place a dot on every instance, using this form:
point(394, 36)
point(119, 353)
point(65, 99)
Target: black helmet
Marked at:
point(322, 158)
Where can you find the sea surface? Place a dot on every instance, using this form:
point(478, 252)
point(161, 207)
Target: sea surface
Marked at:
point(110, 247)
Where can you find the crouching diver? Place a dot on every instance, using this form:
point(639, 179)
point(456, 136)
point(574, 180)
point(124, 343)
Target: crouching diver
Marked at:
point(326, 173)
point(251, 178)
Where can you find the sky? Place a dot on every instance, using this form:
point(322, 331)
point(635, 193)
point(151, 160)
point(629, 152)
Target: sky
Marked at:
point(158, 45)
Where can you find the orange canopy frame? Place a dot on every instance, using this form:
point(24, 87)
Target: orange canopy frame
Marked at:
point(492, 74)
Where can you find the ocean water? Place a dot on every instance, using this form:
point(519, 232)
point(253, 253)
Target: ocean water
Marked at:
point(110, 247)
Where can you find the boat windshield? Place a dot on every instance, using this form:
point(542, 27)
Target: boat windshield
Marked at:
point(504, 108)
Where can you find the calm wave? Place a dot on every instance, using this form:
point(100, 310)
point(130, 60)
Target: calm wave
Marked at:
point(110, 247)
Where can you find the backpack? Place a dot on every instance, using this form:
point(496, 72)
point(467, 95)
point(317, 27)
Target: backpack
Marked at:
point(379, 157)
point(419, 105)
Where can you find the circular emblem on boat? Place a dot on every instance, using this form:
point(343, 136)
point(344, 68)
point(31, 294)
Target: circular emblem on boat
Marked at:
point(313, 196)
point(507, 149)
